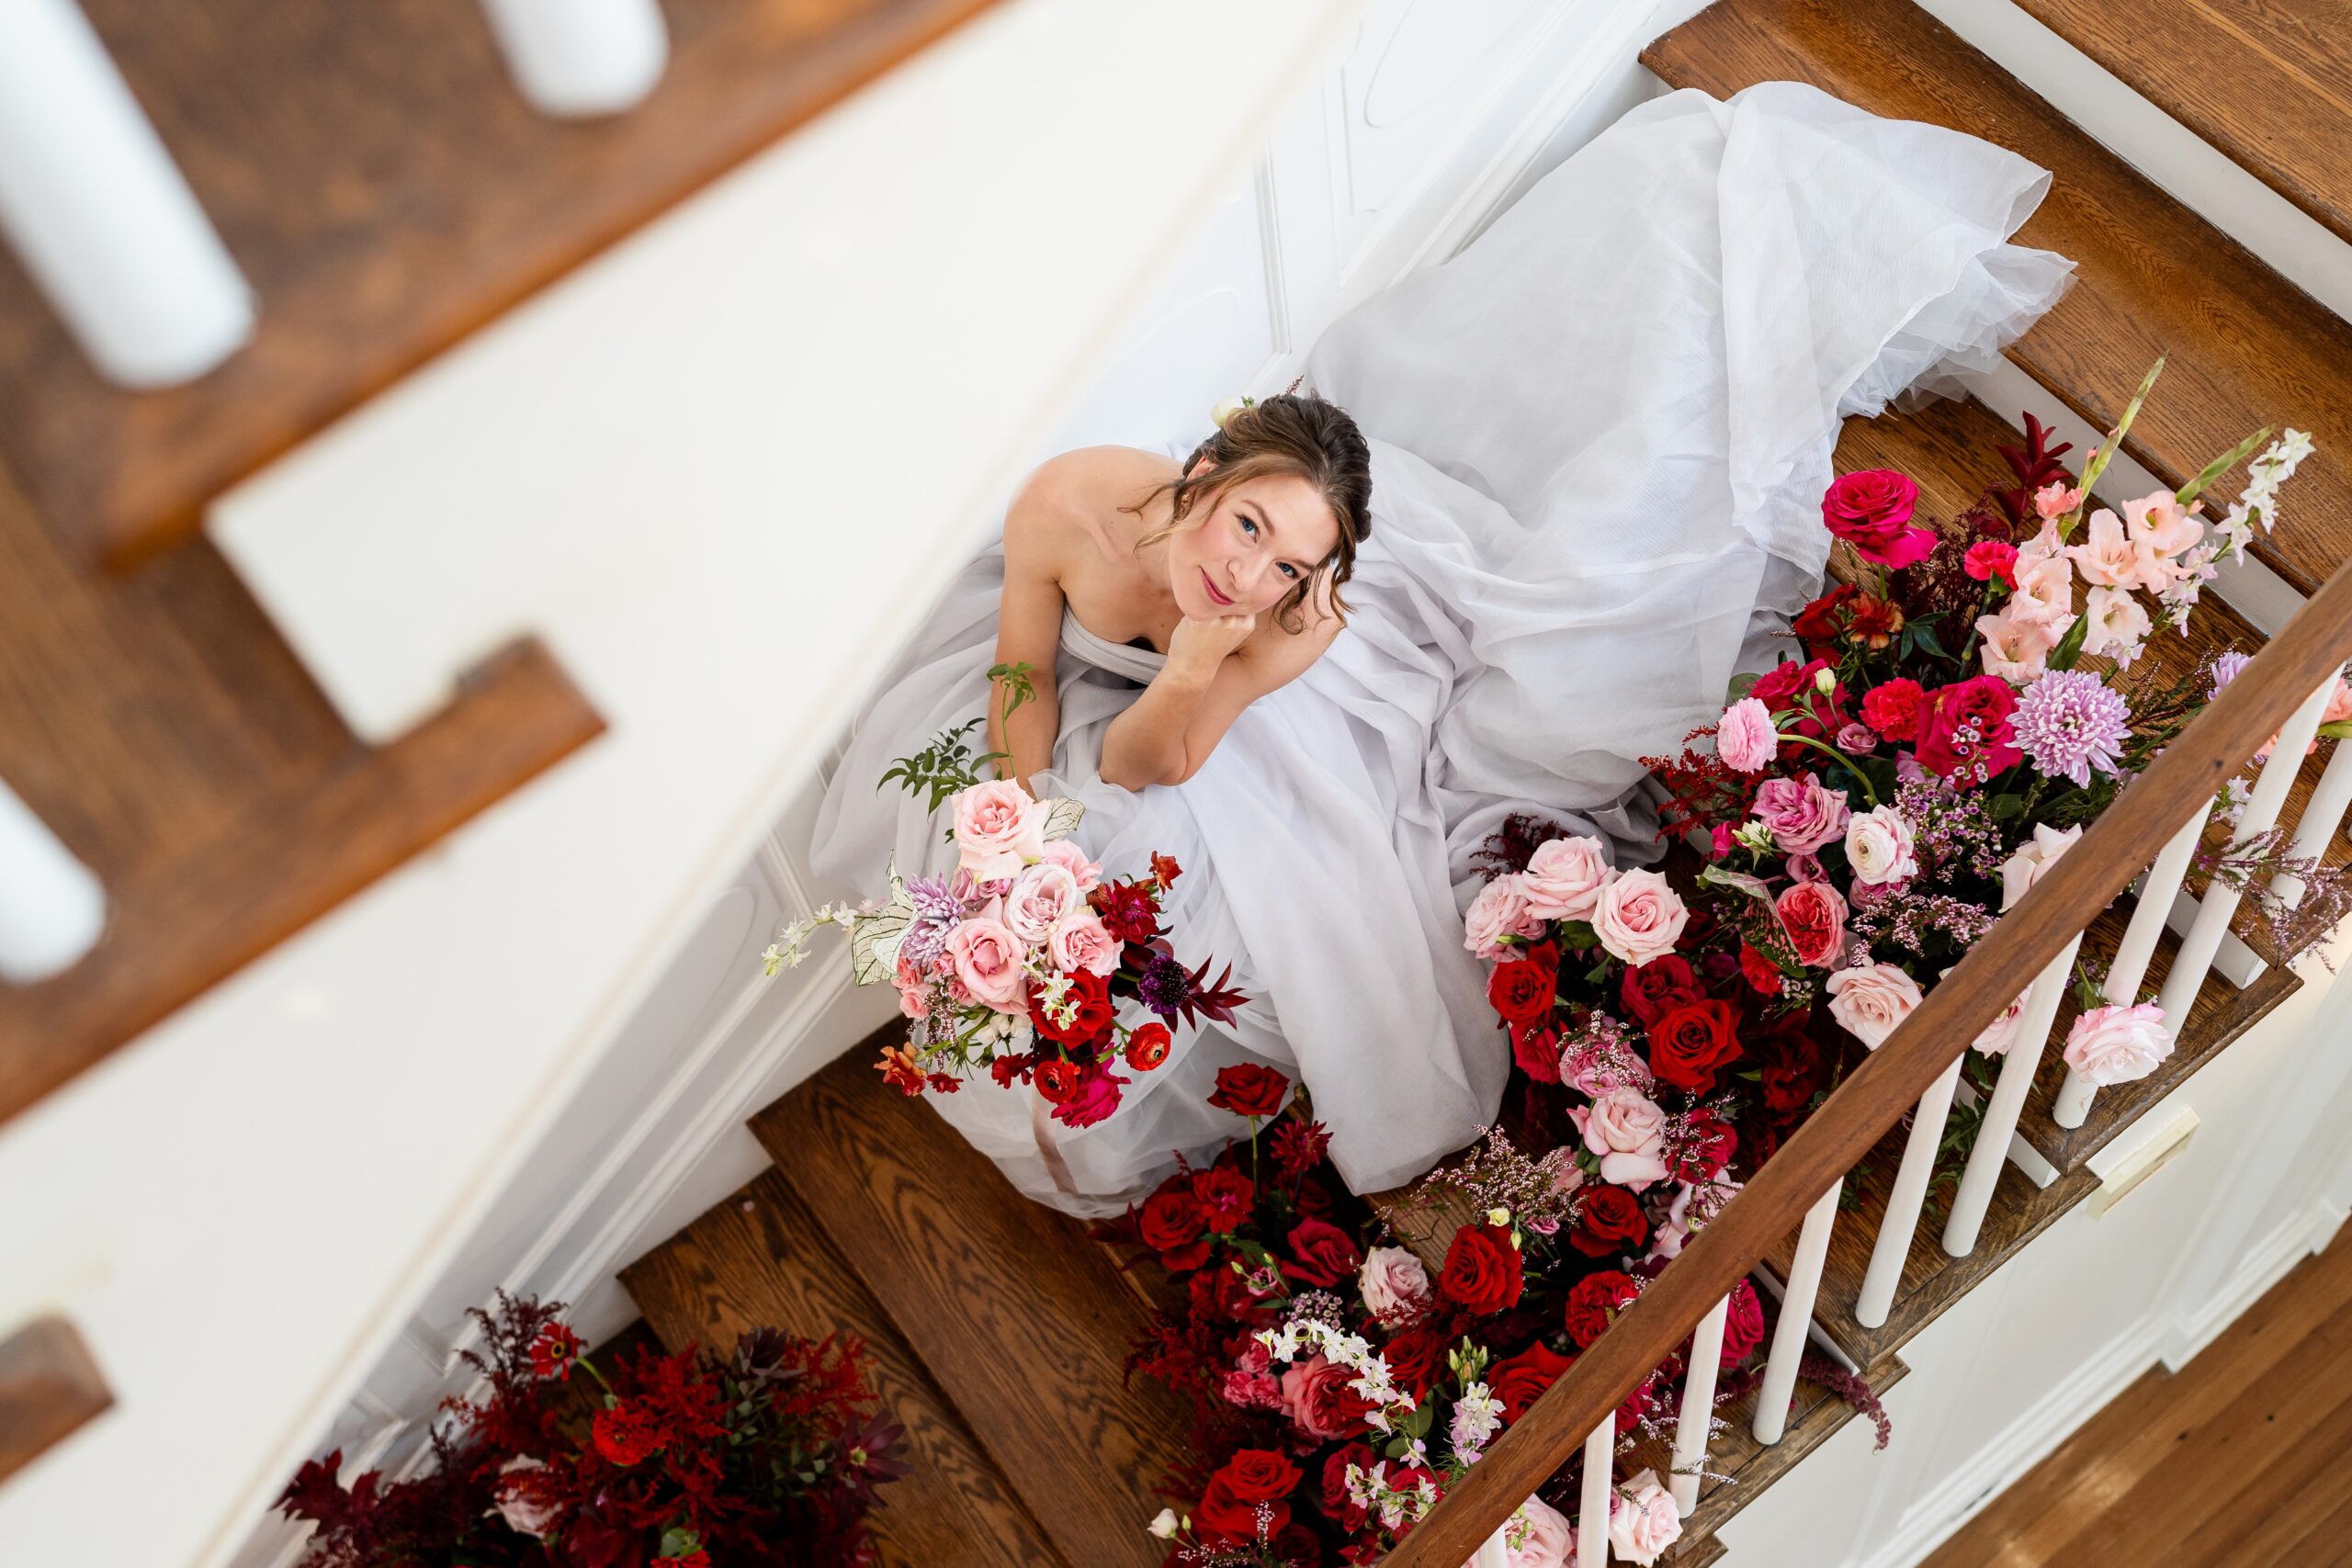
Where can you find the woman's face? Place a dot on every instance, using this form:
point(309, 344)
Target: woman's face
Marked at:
point(1263, 538)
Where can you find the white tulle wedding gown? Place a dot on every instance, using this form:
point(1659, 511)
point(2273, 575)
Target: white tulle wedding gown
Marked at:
point(1599, 438)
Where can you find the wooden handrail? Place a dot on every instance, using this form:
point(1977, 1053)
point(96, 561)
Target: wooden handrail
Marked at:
point(2180, 783)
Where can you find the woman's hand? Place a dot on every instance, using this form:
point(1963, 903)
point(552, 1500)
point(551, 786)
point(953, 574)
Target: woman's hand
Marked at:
point(1200, 647)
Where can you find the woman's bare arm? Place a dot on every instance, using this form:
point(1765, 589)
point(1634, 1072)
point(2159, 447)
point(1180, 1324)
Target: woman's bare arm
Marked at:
point(1029, 629)
point(1215, 669)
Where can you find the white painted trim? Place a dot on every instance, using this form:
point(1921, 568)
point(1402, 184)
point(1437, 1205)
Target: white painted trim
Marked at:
point(2272, 1259)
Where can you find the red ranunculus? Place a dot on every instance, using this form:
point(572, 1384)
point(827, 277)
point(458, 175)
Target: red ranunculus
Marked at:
point(1127, 910)
point(1893, 709)
point(1520, 1380)
point(1536, 1048)
point(1609, 1222)
point(1691, 1043)
point(1321, 1252)
point(1224, 1519)
point(1482, 1269)
point(1246, 1089)
point(1260, 1475)
point(1521, 989)
point(1057, 1080)
point(1091, 1012)
point(1871, 509)
point(1226, 1196)
point(1593, 1300)
point(1663, 983)
point(1704, 1151)
point(1965, 735)
point(1763, 976)
point(1147, 1046)
point(1171, 1224)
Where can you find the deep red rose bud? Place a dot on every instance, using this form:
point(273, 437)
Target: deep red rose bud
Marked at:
point(1652, 989)
point(1520, 1381)
point(1482, 1271)
point(1521, 990)
point(1537, 1050)
point(1147, 1046)
point(1246, 1089)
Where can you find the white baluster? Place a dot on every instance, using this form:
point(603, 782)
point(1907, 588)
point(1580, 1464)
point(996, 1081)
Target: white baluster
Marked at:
point(2162, 884)
point(2019, 1064)
point(52, 908)
point(2323, 816)
point(98, 211)
point(1600, 1490)
point(1493, 1552)
point(1796, 1316)
point(2220, 901)
point(582, 57)
point(1698, 1407)
point(1906, 1198)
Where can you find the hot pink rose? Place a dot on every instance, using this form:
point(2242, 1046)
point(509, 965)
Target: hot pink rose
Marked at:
point(1869, 999)
point(1871, 509)
point(1499, 911)
point(1639, 917)
point(1802, 814)
point(1965, 734)
point(1096, 1097)
point(1065, 853)
point(1041, 897)
point(999, 830)
point(1745, 739)
point(1627, 1130)
point(1813, 914)
point(987, 957)
point(1743, 1324)
point(2112, 1045)
point(1564, 878)
point(1083, 942)
point(1642, 1520)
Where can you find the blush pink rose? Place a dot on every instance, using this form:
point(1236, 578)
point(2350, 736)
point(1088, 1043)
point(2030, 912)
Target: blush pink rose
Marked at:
point(1802, 814)
point(1041, 897)
point(1393, 1283)
point(1639, 917)
point(1539, 1536)
point(1627, 1130)
point(1869, 999)
point(2032, 860)
point(1065, 853)
point(2002, 1033)
point(999, 830)
point(1499, 911)
point(2112, 1044)
point(914, 991)
point(1813, 914)
point(987, 957)
point(519, 1502)
point(1083, 942)
point(1564, 878)
point(1642, 1520)
point(1745, 739)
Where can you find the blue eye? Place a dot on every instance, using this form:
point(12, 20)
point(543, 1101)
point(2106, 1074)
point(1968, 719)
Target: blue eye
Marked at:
point(1248, 527)
point(1289, 572)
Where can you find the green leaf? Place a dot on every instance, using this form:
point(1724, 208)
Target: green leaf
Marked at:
point(1741, 685)
point(2339, 730)
point(1578, 935)
point(2070, 647)
point(2005, 807)
point(1923, 635)
point(2220, 465)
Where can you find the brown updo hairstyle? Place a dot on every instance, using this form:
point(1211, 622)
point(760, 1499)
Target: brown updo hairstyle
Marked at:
point(1281, 434)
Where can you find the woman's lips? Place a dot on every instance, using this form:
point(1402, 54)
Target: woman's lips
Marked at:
point(1215, 597)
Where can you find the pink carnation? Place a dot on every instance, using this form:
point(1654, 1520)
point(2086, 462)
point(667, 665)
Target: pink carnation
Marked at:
point(1744, 737)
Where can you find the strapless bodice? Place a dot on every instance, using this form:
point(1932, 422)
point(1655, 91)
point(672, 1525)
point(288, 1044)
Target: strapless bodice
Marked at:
point(1137, 664)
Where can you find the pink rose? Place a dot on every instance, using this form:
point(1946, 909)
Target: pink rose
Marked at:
point(1871, 510)
point(1642, 1520)
point(1745, 739)
point(2032, 860)
point(1095, 1097)
point(1499, 911)
point(1813, 914)
point(1802, 814)
point(1083, 942)
point(1564, 878)
point(1880, 846)
point(998, 830)
point(1317, 1396)
point(1393, 1283)
point(1639, 917)
point(1627, 1130)
point(2002, 1033)
point(1869, 999)
point(519, 1504)
point(1539, 1536)
point(1065, 853)
point(1806, 868)
point(914, 991)
point(2112, 1045)
point(1858, 738)
point(1041, 897)
point(987, 957)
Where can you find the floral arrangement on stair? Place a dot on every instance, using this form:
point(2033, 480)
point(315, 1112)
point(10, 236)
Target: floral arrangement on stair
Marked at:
point(1014, 965)
point(765, 1458)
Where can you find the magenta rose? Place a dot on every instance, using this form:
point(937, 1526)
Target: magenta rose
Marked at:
point(1871, 509)
point(1095, 1097)
point(1803, 814)
point(1813, 914)
point(1743, 1324)
point(1965, 731)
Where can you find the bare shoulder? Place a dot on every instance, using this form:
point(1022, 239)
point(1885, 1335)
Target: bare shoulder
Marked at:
point(1084, 487)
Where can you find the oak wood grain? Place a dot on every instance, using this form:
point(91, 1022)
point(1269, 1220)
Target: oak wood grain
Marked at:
point(49, 1388)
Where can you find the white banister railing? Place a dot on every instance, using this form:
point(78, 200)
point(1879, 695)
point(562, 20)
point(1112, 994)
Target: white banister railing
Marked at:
point(52, 908)
point(1906, 1198)
point(2019, 1064)
point(1790, 1334)
point(1692, 1426)
point(2323, 817)
point(576, 57)
point(2133, 955)
point(1592, 1522)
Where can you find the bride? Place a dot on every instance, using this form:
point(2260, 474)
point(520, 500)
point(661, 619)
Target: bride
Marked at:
point(1542, 502)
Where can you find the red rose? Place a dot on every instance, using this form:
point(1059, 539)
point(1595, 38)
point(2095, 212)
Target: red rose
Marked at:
point(1763, 976)
point(1260, 1475)
point(1789, 688)
point(1872, 510)
point(1703, 1150)
point(1536, 1048)
point(1521, 990)
point(1522, 1379)
point(1170, 1224)
point(1609, 1222)
point(1226, 1196)
point(1147, 1046)
point(1321, 1252)
point(1336, 1501)
point(1743, 1325)
point(1248, 1089)
point(1223, 1295)
point(1091, 1012)
point(1964, 734)
point(1787, 1088)
point(1224, 1519)
point(1894, 709)
point(1482, 1269)
point(1662, 984)
point(1819, 623)
point(1416, 1357)
point(1814, 916)
point(1688, 1044)
point(1593, 1300)
point(1057, 1080)
point(1128, 912)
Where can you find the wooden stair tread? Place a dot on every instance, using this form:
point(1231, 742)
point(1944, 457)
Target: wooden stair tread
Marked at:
point(166, 733)
point(2246, 345)
point(386, 192)
point(1025, 1321)
point(760, 1261)
point(2266, 84)
point(1748, 1467)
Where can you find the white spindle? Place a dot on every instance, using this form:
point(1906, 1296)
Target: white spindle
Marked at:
point(2132, 955)
point(95, 206)
point(1797, 1318)
point(2220, 901)
point(1600, 1490)
point(2019, 1064)
point(2323, 816)
point(1493, 1552)
point(52, 908)
point(582, 57)
point(1698, 1407)
point(1906, 1198)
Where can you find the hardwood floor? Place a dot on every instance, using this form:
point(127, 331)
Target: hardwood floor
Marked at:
point(2235, 1461)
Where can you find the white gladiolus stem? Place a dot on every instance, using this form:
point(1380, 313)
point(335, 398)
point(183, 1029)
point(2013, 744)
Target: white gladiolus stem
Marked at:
point(52, 908)
point(2158, 891)
point(2018, 1067)
point(98, 210)
point(573, 58)
point(1908, 1196)
point(1796, 1316)
point(1698, 1407)
point(1600, 1474)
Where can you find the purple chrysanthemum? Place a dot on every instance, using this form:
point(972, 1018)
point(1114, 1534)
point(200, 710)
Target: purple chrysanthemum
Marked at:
point(937, 912)
point(2225, 669)
point(1164, 986)
point(2070, 723)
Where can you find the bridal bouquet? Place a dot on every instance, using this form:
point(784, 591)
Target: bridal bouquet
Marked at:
point(1016, 963)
